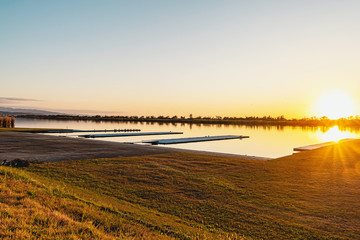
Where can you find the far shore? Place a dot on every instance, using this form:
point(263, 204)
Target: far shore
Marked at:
point(351, 122)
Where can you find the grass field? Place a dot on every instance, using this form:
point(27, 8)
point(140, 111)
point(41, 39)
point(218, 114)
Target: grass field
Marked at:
point(310, 195)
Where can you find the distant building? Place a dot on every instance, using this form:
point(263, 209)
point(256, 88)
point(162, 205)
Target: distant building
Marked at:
point(7, 121)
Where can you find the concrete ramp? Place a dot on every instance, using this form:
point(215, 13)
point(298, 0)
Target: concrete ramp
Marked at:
point(320, 145)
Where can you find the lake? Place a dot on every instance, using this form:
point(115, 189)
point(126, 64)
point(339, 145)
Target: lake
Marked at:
point(264, 141)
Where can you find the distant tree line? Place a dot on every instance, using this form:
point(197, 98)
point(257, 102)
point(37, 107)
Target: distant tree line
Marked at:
point(7, 121)
point(252, 120)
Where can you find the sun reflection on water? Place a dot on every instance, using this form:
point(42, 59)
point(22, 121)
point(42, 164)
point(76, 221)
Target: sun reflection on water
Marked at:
point(334, 134)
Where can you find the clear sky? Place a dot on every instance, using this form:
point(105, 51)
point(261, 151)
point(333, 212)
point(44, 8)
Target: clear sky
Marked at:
point(160, 57)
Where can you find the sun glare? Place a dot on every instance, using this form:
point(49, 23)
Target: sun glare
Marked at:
point(334, 134)
point(335, 105)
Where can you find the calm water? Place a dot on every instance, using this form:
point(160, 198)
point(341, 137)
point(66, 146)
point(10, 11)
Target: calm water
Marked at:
point(264, 141)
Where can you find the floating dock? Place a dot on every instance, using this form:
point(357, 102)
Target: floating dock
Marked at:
point(127, 134)
point(194, 139)
point(88, 131)
point(320, 145)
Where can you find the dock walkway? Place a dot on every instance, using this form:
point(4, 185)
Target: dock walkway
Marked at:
point(95, 130)
point(194, 139)
point(127, 134)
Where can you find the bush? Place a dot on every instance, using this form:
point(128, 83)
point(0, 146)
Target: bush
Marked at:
point(19, 162)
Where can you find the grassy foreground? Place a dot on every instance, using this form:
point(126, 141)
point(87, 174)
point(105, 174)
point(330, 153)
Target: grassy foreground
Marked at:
point(310, 195)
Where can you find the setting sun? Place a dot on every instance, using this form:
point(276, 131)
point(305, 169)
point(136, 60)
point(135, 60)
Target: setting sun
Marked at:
point(334, 105)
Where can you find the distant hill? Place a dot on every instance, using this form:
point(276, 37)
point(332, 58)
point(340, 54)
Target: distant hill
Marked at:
point(23, 111)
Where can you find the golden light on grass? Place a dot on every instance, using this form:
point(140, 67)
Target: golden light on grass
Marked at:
point(334, 105)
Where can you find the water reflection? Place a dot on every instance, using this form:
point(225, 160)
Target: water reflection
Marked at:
point(335, 134)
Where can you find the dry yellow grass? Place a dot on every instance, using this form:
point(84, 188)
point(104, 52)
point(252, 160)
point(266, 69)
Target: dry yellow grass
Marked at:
point(42, 208)
point(30, 210)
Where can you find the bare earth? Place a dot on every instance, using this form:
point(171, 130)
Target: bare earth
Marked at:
point(47, 148)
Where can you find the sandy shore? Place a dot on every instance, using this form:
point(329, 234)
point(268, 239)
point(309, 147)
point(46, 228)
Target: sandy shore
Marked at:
point(47, 148)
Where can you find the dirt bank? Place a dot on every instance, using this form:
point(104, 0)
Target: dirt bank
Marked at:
point(45, 148)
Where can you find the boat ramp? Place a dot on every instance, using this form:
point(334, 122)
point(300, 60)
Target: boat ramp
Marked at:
point(320, 145)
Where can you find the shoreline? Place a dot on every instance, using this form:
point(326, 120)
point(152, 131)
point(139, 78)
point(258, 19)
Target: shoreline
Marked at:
point(47, 148)
point(246, 121)
point(220, 154)
point(202, 152)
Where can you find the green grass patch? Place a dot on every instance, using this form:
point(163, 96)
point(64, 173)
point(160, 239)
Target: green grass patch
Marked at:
point(310, 195)
point(298, 197)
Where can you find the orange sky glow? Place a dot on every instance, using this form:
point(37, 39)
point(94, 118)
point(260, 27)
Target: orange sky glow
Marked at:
point(206, 58)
